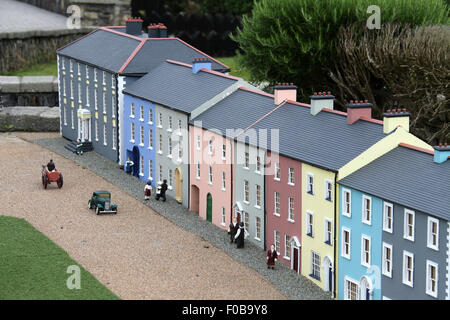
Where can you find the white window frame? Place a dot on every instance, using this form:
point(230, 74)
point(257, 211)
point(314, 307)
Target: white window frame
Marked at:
point(287, 247)
point(384, 270)
point(363, 253)
point(312, 264)
point(308, 225)
point(169, 128)
point(160, 120)
point(246, 160)
point(326, 232)
point(258, 192)
point(277, 171)
point(328, 183)
point(87, 96)
point(169, 147)
point(210, 175)
point(291, 209)
point(404, 270)
point(344, 204)
point(430, 245)
point(210, 147)
point(291, 176)
point(150, 116)
point(141, 113)
point(277, 247)
point(141, 135)
point(170, 177)
point(385, 217)
point(224, 151)
point(276, 195)
point(257, 230)
point(150, 169)
point(258, 165)
point(105, 136)
point(363, 210)
point(198, 170)
point(223, 181)
point(246, 191)
point(199, 142)
point(132, 137)
point(343, 243)
point(428, 291)
point(150, 139)
point(223, 215)
point(132, 110)
point(405, 225)
point(160, 151)
point(346, 292)
point(141, 166)
point(308, 185)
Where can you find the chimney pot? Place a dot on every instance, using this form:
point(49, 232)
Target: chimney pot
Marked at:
point(445, 145)
point(366, 101)
point(329, 93)
point(404, 109)
point(283, 92)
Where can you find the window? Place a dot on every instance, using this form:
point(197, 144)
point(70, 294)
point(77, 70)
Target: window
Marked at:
point(71, 89)
point(277, 174)
point(310, 183)
point(142, 135)
point(246, 161)
point(150, 169)
point(96, 129)
point(433, 233)
point(105, 137)
point(71, 65)
point(222, 220)
point(180, 125)
point(63, 63)
point(198, 169)
point(287, 247)
point(95, 99)
point(245, 218)
point(180, 148)
point(113, 81)
point(276, 241)
point(150, 116)
point(351, 290)
point(141, 166)
point(388, 217)
point(150, 138)
point(224, 152)
point(328, 231)
point(291, 206)
point(65, 115)
point(114, 137)
point(132, 132)
point(258, 164)
point(170, 124)
point(210, 147)
point(103, 77)
point(291, 176)
point(79, 92)
point(276, 201)
point(160, 144)
point(64, 86)
point(141, 114)
point(408, 268)
point(210, 175)
point(328, 190)
point(408, 232)
point(387, 260)
point(132, 110)
point(258, 228)
point(95, 74)
point(160, 122)
point(309, 223)
point(315, 265)
point(258, 196)
point(170, 178)
point(169, 145)
point(113, 107)
point(365, 251)
point(78, 68)
point(223, 180)
point(104, 102)
point(199, 141)
point(87, 96)
point(345, 249)
point(73, 118)
point(432, 279)
point(366, 209)
point(246, 192)
point(160, 173)
point(346, 203)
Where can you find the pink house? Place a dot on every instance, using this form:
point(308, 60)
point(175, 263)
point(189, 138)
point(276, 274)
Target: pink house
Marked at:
point(283, 209)
point(210, 174)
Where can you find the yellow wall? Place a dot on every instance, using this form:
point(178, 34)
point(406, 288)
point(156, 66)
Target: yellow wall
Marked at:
point(321, 208)
point(336, 248)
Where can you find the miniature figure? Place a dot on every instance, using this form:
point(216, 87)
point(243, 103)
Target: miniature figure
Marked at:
point(161, 191)
point(148, 190)
point(240, 236)
point(233, 229)
point(51, 166)
point(101, 201)
point(272, 256)
point(79, 146)
point(129, 166)
point(49, 174)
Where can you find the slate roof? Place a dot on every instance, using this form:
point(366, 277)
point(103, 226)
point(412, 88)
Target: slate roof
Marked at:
point(113, 50)
point(237, 111)
point(324, 140)
point(414, 181)
point(174, 85)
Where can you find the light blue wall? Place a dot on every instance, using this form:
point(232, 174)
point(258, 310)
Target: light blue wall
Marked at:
point(352, 267)
point(149, 154)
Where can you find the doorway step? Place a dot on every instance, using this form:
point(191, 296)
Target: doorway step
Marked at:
point(72, 146)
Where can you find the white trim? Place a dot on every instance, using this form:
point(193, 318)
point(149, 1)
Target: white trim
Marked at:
point(344, 211)
point(363, 210)
point(276, 170)
point(448, 263)
point(308, 214)
point(427, 278)
point(285, 247)
point(385, 298)
point(363, 262)
point(289, 209)
point(343, 254)
point(383, 261)
point(328, 181)
point(347, 279)
point(275, 193)
point(385, 228)
point(429, 244)
point(275, 241)
point(289, 176)
point(325, 231)
point(405, 230)
point(309, 175)
point(404, 280)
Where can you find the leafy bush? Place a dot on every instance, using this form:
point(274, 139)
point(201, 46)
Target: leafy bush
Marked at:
point(395, 65)
point(226, 6)
point(295, 40)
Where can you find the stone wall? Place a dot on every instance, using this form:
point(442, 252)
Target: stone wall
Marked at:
point(28, 91)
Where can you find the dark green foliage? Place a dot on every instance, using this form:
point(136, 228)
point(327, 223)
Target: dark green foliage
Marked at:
point(226, 6)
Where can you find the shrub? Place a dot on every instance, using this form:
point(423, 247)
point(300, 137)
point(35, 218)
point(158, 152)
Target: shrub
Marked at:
point(295, 40)
point(226, 6)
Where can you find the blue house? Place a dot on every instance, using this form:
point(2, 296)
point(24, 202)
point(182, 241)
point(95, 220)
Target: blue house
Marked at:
point(409, 234)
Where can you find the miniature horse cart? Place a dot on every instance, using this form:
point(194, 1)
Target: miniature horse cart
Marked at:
point(51, 176)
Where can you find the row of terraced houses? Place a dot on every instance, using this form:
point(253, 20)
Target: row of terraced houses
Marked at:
point(359, 206)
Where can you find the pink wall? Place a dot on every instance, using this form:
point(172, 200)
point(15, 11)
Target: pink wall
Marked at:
point(220, 198)
point(281, 223)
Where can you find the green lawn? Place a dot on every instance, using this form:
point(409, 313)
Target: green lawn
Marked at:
point(33, 267)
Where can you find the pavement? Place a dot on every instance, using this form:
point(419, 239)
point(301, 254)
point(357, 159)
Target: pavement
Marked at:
point(17, 16)
point(284, 279)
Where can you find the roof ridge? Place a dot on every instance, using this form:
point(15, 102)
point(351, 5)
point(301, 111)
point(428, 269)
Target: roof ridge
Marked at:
point(179, 63)
point(217, 73)
point(412, 147)
point(123, 34)
point(131, 57)
point(262, 93)
point(76, 40)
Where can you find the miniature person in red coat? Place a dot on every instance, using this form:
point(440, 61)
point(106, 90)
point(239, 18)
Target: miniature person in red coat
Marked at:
point(148, 190)
point(272, 256)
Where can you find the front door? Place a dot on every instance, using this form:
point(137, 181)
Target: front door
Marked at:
point(295, 259)
point(178, 184)
point(209, 207)
point(135, 159)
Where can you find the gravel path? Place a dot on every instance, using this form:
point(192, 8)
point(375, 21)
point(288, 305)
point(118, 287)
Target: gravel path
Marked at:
point(286, 280)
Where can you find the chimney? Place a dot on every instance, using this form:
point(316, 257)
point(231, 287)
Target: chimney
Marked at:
point(393, 118)
point(133, 26)
point(441, 153)
point(153, 30)
point(356, 110)
point(285, 91)
point(162, 31)
point(321, 100)
point(201, 63)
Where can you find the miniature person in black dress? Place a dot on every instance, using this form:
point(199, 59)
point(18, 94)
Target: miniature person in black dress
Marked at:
point(232, 229)
point(272, 256)
point(161, 191)
point(241, 234)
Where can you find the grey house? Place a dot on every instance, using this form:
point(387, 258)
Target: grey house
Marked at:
point(177, 92)
point(416, 213)
point(94, 69)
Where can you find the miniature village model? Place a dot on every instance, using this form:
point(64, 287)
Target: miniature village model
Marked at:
point(359, 206)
